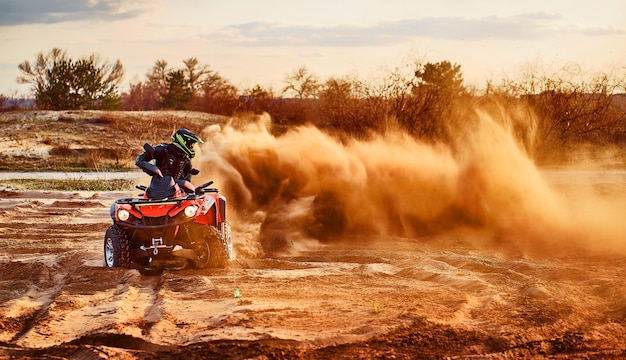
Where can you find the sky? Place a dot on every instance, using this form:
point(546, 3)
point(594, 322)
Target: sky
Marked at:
point(252, 42)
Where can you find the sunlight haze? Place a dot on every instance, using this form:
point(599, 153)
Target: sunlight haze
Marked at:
point(254, 42)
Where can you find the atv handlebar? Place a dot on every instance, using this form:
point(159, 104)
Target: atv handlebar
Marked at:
point(200, 188)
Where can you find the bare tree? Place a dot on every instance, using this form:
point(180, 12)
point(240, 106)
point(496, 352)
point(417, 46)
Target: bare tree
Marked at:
point(302, 83)
point(352, 106)
point(113, 72)
point(156, 85)
point(133, 100)
point(195, 73)
point(36, 73)
point(335, 97)
point(218, 95)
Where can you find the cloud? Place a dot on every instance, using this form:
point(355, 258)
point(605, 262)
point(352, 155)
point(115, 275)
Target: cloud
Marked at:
point(19, 12)
point(521, 27)
point(602, 31)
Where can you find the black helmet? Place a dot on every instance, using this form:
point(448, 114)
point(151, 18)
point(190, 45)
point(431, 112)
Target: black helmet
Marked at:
point(185, 140)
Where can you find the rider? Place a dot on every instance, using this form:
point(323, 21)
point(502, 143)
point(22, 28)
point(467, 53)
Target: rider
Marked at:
point(172, 160)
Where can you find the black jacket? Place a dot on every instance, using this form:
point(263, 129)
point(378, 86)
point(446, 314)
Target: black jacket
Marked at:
point(169, 159)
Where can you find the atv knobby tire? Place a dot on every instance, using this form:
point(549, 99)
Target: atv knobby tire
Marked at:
point(214, 252)
point(116, 248)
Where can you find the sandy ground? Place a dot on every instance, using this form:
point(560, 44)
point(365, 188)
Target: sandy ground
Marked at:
point(465, 255)
point(437, 296)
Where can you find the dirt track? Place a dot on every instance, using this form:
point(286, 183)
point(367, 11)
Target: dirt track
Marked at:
point(471, 251)
point(376, 297)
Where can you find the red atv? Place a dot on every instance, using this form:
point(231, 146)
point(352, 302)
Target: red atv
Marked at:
point(166, 228)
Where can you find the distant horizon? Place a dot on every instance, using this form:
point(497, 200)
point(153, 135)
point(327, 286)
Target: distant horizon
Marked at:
point(31, 100)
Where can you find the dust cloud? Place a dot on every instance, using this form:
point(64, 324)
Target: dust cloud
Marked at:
point(306, 187)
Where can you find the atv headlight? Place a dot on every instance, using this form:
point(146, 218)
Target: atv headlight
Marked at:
point(190, 210)
point(123, 214)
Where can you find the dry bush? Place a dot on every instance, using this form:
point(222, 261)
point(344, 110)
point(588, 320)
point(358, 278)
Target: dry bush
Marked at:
point(62, 150)
point(572, 109)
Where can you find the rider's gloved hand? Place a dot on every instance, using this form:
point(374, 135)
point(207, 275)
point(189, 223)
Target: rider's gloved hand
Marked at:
point(190, 186)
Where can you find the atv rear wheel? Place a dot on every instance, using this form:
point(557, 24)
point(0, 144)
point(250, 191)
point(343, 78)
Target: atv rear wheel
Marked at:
point(116, 248)
point(227, 238)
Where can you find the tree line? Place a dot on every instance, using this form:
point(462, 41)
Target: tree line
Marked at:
point(425, 99)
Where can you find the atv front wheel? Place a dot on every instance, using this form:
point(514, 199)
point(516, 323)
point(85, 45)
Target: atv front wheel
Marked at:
point(211, 250)
point(116, 248)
